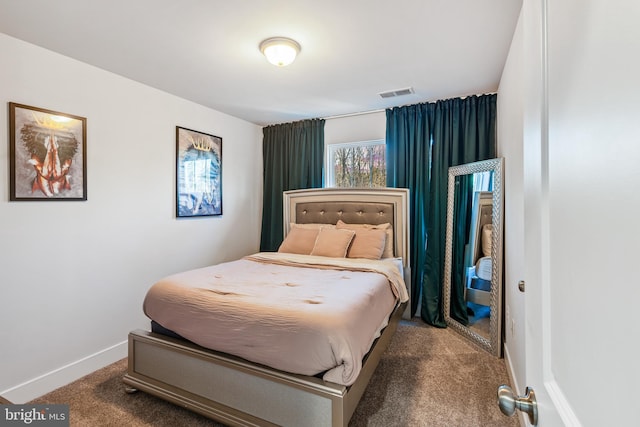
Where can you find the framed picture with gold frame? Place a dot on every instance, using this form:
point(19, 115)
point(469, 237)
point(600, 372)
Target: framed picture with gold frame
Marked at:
point(47, 154)
point(198, 173)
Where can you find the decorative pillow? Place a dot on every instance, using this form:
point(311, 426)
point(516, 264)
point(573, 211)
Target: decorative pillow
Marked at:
point(312, 225)
point(367, 243)
point(299, 241)
point(487, 231)
point(388, 244)
point(332, 242)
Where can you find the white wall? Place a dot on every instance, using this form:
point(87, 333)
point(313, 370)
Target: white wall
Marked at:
point(362, 127)
point(73, 274)
point(509, 135)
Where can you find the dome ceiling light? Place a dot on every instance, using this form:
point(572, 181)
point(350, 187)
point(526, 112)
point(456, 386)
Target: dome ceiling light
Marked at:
point(280, 51)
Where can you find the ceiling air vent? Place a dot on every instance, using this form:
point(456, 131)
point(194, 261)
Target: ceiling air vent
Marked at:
point(397, 92)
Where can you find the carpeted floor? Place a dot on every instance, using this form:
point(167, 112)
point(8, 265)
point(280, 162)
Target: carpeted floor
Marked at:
point(428, 377)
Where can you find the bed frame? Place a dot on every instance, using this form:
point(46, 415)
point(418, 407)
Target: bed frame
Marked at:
point(236, 392)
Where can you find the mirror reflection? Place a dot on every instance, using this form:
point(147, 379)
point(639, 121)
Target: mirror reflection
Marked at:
point(473, 269)
point(472, 266)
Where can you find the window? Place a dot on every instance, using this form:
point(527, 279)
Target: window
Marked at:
point(356, 164)
point(483, 181)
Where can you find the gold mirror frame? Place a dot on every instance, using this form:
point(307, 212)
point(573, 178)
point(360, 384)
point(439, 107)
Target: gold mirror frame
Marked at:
point(493, 344)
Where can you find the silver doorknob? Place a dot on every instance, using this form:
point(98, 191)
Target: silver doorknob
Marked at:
point(508, 403)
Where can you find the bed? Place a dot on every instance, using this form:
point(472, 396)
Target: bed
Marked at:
point(242, 389)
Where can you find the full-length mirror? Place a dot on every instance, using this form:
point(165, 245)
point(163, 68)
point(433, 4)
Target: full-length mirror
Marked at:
point(473, 256)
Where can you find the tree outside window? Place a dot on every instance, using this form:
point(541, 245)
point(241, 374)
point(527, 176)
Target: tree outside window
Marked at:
point(356, 165)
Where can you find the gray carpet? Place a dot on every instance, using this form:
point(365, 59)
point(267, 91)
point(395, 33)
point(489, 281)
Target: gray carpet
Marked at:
point(427, 377)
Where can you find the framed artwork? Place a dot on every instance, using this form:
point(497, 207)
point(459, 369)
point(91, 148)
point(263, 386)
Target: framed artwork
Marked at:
point(198, 173)
point(47, 153)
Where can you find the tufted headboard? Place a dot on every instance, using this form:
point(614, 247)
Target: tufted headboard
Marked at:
point(353, 206)
point(349, 212)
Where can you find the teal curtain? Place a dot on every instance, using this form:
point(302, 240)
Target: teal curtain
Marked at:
point(408, 137)
point(464, 131)
point(423, 141)
point(462, 209)
point(292, 159)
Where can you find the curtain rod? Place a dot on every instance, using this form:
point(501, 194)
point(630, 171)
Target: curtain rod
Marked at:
point(361, 113)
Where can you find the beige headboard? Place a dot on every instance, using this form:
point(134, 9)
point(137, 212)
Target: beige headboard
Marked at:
point(353, 206)
point(349, 212)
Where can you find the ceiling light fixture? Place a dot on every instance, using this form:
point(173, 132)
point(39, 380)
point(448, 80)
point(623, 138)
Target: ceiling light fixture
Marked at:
point(280, 51)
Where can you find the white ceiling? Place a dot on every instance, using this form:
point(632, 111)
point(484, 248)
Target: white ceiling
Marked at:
point(207, 50)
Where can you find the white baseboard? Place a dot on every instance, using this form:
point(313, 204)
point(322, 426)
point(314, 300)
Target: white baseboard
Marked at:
point(522, 418)
point(64, 375)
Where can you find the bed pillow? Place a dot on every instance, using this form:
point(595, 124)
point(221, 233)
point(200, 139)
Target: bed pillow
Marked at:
point(299, 241)
point(312, 225)
point(367, 243)
point(487, 231)
point(388, 243)
point(332, 242)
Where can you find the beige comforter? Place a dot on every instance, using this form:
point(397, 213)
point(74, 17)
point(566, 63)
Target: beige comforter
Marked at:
point(297, 313)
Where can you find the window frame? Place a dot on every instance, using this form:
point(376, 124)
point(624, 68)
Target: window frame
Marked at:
point(330, 149)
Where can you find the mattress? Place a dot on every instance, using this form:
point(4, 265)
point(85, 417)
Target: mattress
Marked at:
point(298, 313)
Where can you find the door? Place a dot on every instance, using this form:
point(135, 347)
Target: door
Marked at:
point(536, 213)
point(581, 180)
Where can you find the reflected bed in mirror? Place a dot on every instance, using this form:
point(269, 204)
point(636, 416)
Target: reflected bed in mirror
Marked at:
point(472, 285)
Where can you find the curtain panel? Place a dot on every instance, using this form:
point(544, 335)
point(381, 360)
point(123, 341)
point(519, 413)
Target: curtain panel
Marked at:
point(423, 141)
point(408, 150)
point(462, 211)
point(292, 159)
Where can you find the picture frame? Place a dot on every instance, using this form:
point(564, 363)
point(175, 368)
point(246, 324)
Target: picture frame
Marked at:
point(47, 155)
point(198, 173)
